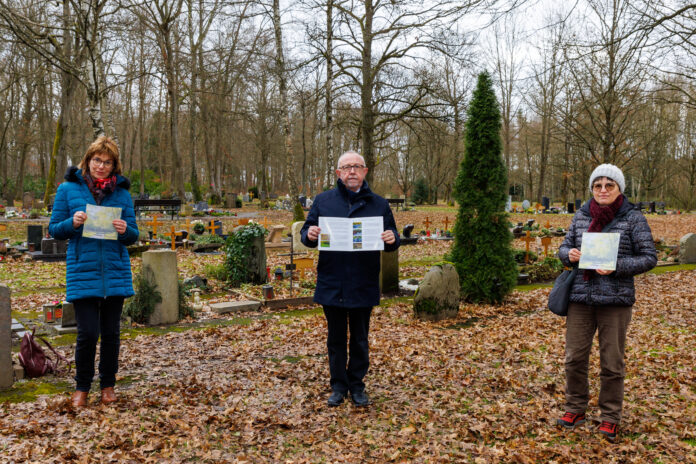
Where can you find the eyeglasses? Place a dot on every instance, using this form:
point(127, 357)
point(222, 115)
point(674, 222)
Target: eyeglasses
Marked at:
point(609, 186)
point(101, 162)
point(350, 167)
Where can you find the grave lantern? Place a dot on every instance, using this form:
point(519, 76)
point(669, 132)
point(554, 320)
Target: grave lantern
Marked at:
point(48, 310)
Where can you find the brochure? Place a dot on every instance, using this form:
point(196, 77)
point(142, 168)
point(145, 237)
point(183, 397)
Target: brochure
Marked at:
point(99, 222)
point(351, 234)
point(599, 250)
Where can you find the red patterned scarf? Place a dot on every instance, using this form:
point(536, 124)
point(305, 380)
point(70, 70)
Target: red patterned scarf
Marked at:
point(601, 216)
point(100, 187)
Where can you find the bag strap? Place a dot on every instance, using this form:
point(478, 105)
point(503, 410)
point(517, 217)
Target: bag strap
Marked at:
point(58, 355)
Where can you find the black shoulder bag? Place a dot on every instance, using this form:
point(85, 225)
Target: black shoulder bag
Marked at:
point(560, 293)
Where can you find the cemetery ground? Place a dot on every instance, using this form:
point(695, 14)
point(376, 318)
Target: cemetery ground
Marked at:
point(483, 387)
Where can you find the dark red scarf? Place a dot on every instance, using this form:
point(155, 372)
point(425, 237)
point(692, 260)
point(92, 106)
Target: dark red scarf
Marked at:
point(100, 187)
point(601, 216)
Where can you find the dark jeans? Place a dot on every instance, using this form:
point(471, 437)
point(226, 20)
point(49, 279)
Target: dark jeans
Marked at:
point(97, 316)
point(611, 323)
point(339, 320)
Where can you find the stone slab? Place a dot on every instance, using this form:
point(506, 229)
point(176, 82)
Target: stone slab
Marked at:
point(6, 370)
point(687, 249)
point(235, 306)
point(162, 271)
point(18, 372)
point(389, 271)
point(68, 318)
point(66, 330)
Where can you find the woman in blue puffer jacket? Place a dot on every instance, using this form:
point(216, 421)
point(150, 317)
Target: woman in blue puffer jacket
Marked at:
point(98, 276)
point(602, 300)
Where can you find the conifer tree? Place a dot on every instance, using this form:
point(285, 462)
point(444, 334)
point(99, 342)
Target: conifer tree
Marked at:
point(482, 251)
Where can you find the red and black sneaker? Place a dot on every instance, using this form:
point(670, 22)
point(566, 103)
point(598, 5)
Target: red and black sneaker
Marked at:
point(570, 420)
point(608, 429)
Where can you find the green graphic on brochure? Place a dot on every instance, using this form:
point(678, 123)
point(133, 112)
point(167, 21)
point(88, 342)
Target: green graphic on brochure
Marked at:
point(599, 251)
point(99, 223)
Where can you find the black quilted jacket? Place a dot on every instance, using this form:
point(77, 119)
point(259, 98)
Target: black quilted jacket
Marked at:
point(636, 255)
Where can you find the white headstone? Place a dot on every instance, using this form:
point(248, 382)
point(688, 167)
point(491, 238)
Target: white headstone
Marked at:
point(164, 274)
point(687, 249)
point(508, 204)
point(526, 204)
point(297, 245)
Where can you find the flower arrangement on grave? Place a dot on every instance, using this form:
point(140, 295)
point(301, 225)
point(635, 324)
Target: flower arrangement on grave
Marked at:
point(198, 227)
point(11, 214)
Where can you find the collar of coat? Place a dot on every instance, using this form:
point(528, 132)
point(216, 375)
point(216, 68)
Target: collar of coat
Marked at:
point(74, 174)
point(625, 208)
point(362, 193)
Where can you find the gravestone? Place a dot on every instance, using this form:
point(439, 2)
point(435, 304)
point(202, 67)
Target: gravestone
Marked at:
point(437, 296)
point(257, 262)
point(235, 306)
point(578, 203)
point(245, 198)
point(308, 203)
point(297, 245)
point(652, 207)
point(34, 235)
point(508, 204)
point(302, 200)
point(406, 232)
point(571, 208)
point(687, 249)
point(218, 227)
point(201, 206)
point(389, 271)
point(230, 200)
point(187, 209)
point(27, 201)
point(68, 323)
point(162, 271)
point(6, 371)
point(526, 205)
point(276, 233)
point(188, 196)
point(546, 203)
point(51, 246)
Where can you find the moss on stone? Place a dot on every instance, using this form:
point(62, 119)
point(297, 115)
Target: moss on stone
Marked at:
point(25, 391)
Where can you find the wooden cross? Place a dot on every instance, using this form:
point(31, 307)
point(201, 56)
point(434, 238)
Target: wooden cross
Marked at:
point(187, 226)
point(265, 223)
point(446, 223)
point(527, 239)
point(173, 235)
point(154, 223)
point(242, 221)
point(427, 223)
point(3, 227)
point(212, 228)
point(546, 241)
point(302, 264)
point(547, 225)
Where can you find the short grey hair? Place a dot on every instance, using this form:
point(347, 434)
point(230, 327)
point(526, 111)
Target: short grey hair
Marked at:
point(349, 152)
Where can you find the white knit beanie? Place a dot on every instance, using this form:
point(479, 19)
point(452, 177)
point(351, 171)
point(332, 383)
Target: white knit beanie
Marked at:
point(610, 171)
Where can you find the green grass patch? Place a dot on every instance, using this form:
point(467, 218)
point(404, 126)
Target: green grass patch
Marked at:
point(25, 391)
point(386, 302)
point(534, 286)
point(676, 267)
point(690, 441)
point(427, 261)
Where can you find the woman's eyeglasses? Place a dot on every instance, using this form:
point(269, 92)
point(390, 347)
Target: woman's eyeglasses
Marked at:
point(609, 186)
point(100, 162)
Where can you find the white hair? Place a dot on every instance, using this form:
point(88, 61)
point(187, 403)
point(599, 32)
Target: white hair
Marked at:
point(348, 153)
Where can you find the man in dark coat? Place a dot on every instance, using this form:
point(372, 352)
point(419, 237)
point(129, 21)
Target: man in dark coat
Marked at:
point(348, 281)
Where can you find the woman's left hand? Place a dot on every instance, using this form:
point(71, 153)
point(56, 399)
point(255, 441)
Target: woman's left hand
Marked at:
point(603, 271)
point(120, 225)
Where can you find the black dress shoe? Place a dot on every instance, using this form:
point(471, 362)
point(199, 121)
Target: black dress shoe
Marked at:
point(336, 398)
point(360, 398)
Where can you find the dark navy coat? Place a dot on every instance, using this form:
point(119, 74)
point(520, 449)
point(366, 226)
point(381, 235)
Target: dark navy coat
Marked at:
point(95, 268)
point(636, 255)
point(349, 279)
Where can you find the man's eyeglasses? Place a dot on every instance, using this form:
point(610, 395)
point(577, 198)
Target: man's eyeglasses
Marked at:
point(608, 187)
point(101, 162)
point(350, 167)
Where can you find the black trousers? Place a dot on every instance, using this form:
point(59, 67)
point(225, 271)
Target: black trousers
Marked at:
point(339, 320)
point(95, 317)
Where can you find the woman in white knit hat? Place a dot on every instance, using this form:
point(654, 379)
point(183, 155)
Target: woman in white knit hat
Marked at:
point(602, 300)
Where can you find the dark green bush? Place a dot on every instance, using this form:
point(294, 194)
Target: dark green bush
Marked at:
point(141, 305)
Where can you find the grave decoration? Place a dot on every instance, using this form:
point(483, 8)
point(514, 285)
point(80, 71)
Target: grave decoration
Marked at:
point(173, 235)
point(527, 239)
point(406, 238)
point(154, 224)
point(214, 226)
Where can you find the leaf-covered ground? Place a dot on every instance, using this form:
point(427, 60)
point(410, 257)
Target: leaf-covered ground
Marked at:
point(485, 387)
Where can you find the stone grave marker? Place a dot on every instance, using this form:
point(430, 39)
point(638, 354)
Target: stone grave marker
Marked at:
point(508, 204)
point(188, 196)
point(34, 236)
point(257, 261)
point(308, 203)
point(162, 271)
point(437, 296)
point(276, 233)
point(246, 198)
point(201, 206)
point(389, 271)
point(546, 203)
point(578, 203)
point(51, 246)
point(6, 370)
point(687, 249)
point(526, 204)
point(235, 306)
point(297, 244)
point(571, 208)
point(187, 209)
point(68, 323)
point(27, 201)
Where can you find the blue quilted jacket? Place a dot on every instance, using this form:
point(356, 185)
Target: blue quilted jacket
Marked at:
point(349, 279)
point(95, 268)
point(636, 255)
